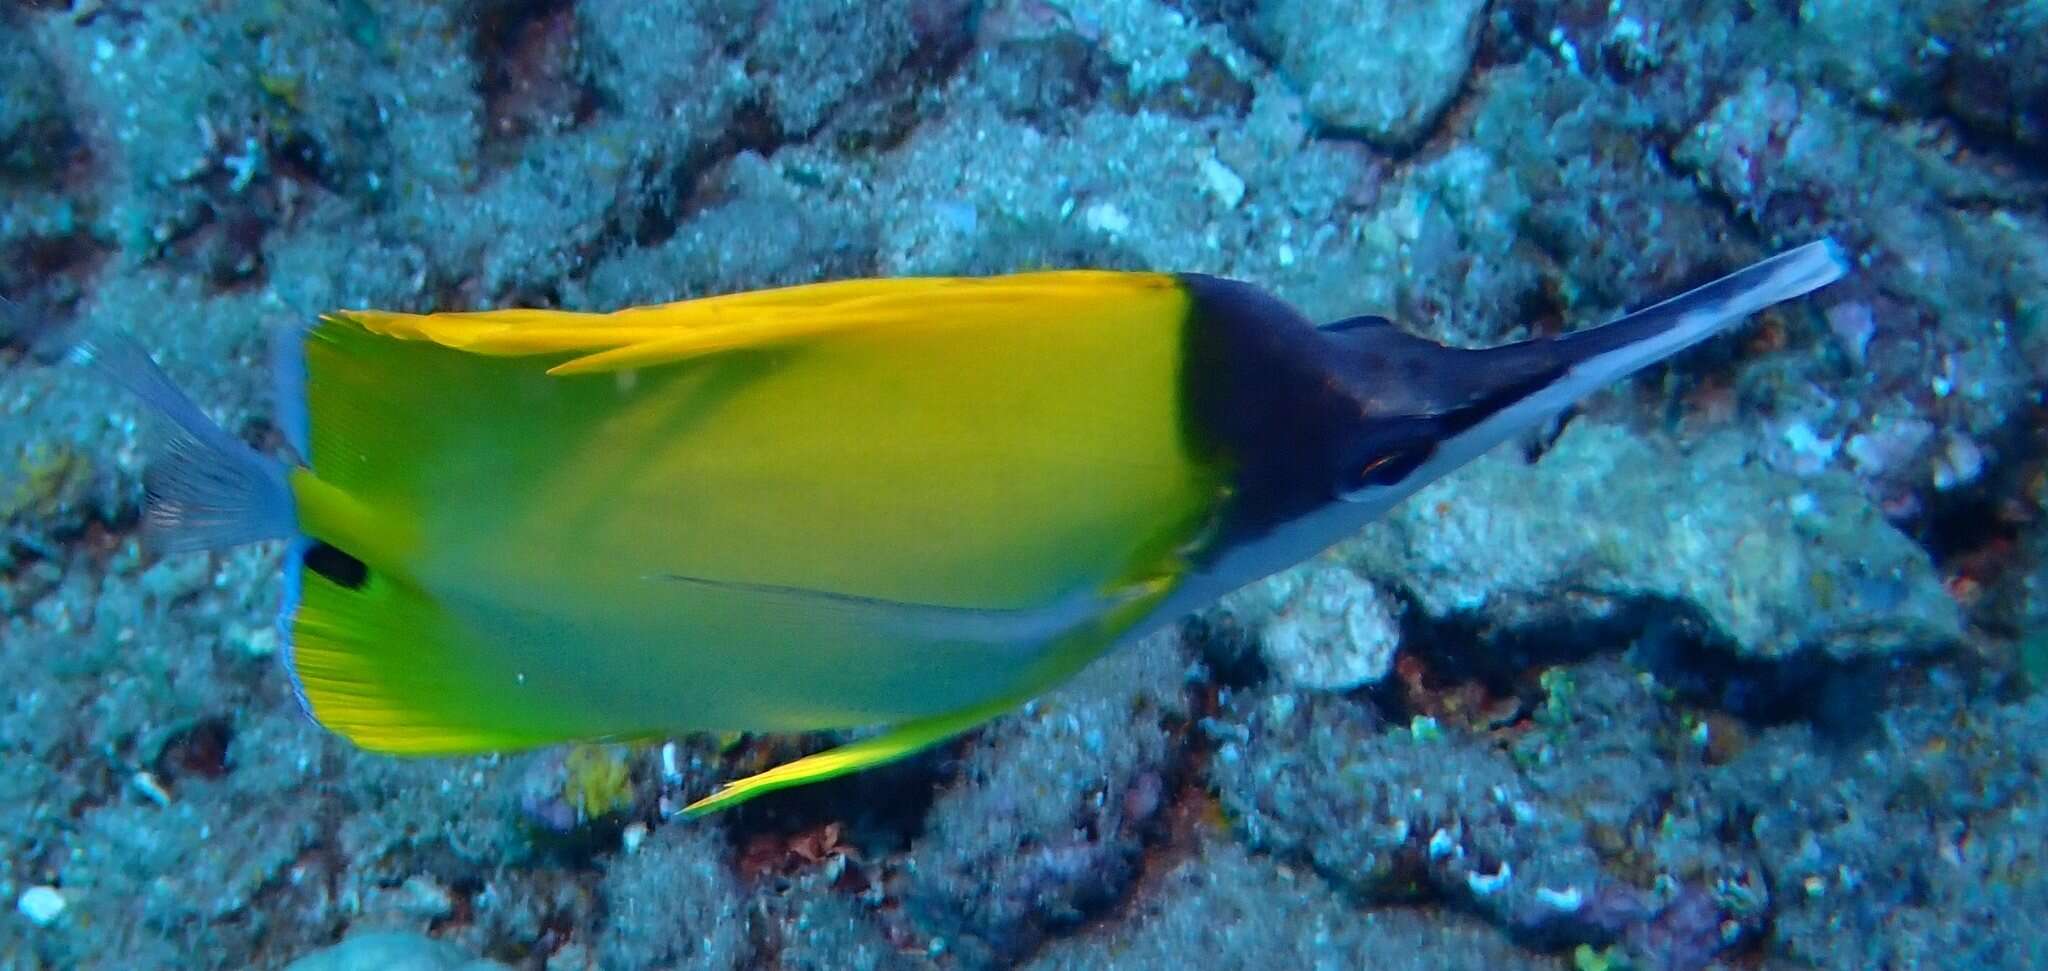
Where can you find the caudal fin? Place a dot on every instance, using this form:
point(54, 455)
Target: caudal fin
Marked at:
point(208, 490)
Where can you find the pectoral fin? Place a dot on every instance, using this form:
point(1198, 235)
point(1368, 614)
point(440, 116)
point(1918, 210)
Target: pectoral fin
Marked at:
point(998, 627)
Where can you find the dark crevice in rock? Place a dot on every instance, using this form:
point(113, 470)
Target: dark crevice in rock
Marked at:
point(1438, 134)
point(199, 751)
point(1994, 506)
point(530, 77)
point(1236, 18)
point(681, 189)
point(1230, 13)
point(1463, 669)
point(1227, 648)
point(1159, 821)
point(2022, 170)
point(38, 138)
point(1049, 81)
point(943, 35)
point(1210, 89)
point(1839, 697)
point(1975, 532)
point(45, 276)
point(878, 811)
point(299, 156)
point(226, 247)
point(224, 220)
point(904, 97)
point(1992, 84)
point(1170, 811)
point(672, 190)
point(307, 893)
point(581, 847)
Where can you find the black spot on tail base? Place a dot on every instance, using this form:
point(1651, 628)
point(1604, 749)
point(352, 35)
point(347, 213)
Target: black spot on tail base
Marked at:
point(337, 567)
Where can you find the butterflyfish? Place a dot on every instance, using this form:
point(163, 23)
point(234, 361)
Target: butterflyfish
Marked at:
point(911, 503)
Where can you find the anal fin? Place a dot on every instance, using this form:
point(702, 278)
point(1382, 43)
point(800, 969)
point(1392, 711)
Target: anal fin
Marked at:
point(1066, 657)
point(899, 742)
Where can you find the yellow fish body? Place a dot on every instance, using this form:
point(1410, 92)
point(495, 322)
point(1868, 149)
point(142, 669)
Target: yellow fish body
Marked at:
point(905, 516)
point(913, 502)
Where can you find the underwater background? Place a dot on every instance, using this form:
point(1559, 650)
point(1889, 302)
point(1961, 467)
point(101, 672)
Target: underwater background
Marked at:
point(1741, 669)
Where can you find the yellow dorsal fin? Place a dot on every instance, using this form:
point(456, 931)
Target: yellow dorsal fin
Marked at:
point(660, 334)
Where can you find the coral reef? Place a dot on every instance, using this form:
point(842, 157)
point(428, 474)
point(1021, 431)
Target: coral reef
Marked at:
point(1740, 667)
point(1052, 825)
point(381, 951)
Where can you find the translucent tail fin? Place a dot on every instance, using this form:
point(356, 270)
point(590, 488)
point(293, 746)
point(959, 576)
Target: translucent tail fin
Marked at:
point(208, 490)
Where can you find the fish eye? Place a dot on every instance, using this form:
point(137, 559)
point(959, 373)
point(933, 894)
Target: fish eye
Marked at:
point(1387, 468)
point(337, 567)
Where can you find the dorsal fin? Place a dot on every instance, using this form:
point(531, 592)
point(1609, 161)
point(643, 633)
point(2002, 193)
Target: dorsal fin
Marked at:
point(664, 333)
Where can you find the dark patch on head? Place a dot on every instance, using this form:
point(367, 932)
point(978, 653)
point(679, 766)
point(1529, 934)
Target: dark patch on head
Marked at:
point(1422, 393)
point(1261, 398)
point(337, 567)
point(1304, 415)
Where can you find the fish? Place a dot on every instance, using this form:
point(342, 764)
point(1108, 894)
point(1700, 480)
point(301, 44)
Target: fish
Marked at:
point(911, 503)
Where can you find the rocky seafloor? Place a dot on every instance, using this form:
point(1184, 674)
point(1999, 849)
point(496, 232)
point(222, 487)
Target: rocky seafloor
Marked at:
point(1740, 669)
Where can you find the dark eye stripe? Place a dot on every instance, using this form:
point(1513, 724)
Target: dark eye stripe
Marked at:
point(338, 567)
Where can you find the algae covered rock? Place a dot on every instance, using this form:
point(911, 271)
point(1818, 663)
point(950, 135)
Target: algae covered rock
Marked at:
point(1320, 626)
point(1384, 70)
point(1772, 564)
point(673, 903)
point(392, 951)
point(1228, 908)
point(32, 114)
point(1047, 827)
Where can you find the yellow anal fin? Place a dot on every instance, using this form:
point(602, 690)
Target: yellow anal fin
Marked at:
point(1073, 653)
point(901, 741)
